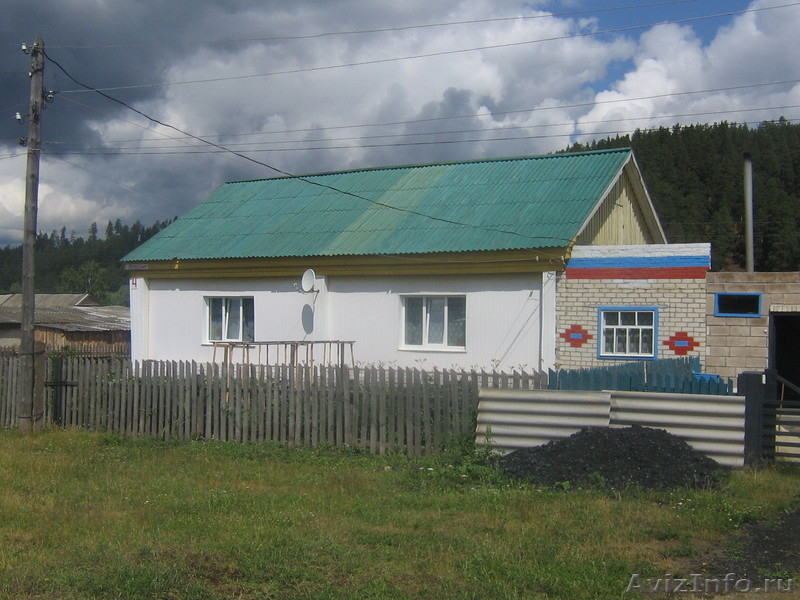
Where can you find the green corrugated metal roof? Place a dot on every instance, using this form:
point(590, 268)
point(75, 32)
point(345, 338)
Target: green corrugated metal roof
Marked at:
point(496, 204)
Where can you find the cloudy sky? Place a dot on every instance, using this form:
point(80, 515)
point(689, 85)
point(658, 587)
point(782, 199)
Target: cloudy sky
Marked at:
point(308, 86)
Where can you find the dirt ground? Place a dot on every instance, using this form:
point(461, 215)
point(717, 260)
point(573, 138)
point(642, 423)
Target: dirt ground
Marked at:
point(768, 550)
point(601, 457)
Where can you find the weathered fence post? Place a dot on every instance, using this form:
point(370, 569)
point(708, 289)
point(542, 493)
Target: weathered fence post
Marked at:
point(753, 386)
point(57, 366)
point(772, 402)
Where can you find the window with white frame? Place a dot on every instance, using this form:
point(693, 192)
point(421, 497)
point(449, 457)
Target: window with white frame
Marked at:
point(231, 319)
point(437, 322)
point(628, 332)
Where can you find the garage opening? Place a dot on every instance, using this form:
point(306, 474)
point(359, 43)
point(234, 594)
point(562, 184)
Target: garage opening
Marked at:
point(785, 345)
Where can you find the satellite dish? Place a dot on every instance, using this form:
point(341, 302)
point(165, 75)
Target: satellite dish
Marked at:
point(307, 282)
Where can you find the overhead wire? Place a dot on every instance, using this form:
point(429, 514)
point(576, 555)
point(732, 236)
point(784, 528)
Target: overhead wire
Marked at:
point(168, 152)
point(477, 115)
point(95, 173)
point(394, 29)
point(241, 145)
point(497, 113)
point(227, 149)
point(300, 178)
point(429, 54)
point(500, 113)
point(93, 108)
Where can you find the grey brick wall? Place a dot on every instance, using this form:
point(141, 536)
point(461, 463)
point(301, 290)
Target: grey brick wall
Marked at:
point(737, 344)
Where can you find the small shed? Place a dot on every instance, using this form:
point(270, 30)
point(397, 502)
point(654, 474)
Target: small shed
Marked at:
point(77, 321)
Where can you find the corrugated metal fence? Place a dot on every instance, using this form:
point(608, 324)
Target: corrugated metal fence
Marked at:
point(714, 425)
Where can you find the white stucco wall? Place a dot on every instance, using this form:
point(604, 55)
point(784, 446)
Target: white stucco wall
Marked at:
point(504, 317)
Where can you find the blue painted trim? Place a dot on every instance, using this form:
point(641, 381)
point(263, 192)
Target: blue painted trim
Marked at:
point(629, 262)
point(717, 312)
point(600, 355)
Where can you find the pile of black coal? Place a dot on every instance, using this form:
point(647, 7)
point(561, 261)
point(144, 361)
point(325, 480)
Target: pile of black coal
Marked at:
point(615, 458)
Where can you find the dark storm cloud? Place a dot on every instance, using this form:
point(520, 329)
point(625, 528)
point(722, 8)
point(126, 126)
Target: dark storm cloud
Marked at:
point(103, 161)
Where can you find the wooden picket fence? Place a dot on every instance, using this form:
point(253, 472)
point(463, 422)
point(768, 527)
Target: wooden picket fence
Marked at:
point(9, 383)
point(377, 409)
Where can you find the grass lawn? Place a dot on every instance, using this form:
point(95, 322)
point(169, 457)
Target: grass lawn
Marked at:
point(86, 515)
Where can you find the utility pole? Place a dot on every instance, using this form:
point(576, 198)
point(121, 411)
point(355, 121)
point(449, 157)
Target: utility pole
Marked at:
point(748, 213)
point(31, 404)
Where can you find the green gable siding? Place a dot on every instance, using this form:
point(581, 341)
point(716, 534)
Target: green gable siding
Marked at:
point(499, 204)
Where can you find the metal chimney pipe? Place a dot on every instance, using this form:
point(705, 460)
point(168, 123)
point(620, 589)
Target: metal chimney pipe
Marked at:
point(748, 213)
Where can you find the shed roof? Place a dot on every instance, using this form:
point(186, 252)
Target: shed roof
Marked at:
point(50, 300)
point(66, 312)
point(494, 204)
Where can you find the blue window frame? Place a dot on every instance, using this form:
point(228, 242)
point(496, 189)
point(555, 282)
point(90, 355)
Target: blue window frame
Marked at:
point(727, 304)
point(627, 332)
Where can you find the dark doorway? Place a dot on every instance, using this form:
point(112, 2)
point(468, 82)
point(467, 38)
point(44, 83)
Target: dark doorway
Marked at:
point(785, 345)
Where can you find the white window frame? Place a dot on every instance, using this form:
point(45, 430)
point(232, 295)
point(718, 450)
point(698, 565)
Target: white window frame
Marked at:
point(627, 331)
point(232, 307)
point(428, 301)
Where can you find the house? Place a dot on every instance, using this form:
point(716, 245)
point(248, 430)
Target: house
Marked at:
point(77, 321)
point(443, 265)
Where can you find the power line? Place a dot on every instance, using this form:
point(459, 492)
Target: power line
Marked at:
point(375, 30)
point(95, 109)
point(494, 114)
point(240, 145)
point(299, 178)
point(156, 121)
point(429, 54)
point(96, 174)
point(163, 134)
point(163, 150)
point(221, 150)
point(538, 109)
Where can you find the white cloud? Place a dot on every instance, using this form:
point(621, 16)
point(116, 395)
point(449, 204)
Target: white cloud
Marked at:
point(758, 47)
point(12, 199)
point(535, 90)
point(61, 201)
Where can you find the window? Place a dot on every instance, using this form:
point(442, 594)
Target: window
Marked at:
point(628, 332)
point(231, 319)
point(435, 321)
point(737, 305)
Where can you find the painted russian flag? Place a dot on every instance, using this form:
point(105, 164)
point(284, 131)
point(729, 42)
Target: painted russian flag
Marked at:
point(656, 261)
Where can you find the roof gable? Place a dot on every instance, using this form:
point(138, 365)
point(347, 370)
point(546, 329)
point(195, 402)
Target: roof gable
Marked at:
point(487, 205)
point(625, 216)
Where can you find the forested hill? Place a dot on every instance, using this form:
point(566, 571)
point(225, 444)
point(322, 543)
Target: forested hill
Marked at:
point(66, 263)
point(695, 178)
point(694, 175)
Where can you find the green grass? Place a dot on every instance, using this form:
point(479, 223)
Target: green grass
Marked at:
point(86, 515)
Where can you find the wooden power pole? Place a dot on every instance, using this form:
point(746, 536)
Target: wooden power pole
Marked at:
point(30, 406)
